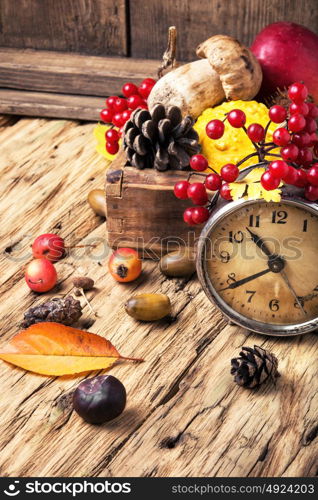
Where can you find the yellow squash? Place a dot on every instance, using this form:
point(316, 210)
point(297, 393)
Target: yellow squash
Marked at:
point(234, 145)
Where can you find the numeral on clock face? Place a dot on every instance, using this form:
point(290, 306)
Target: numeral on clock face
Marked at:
point(279, 217)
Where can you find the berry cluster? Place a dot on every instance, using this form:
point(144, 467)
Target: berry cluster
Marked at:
point(119, 109)
point(295, 165)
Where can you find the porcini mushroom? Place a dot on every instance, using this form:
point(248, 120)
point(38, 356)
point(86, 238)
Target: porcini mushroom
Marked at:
point(238, 69)
point(228, 70)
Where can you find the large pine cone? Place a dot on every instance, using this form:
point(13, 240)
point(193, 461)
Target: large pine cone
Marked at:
point(161, 139)
point(254, 366)
point(66, 311)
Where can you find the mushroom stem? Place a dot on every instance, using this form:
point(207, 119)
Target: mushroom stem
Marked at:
point(169, 56)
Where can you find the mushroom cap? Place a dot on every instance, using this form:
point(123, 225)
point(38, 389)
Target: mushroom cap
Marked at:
point(239, 70)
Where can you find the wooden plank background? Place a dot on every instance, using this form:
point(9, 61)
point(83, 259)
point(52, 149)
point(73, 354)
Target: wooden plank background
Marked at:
point(197, 20)
point(89, 26)
point(59, 47)
point(138, 29)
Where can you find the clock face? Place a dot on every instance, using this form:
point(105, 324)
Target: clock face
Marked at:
point(260, 262)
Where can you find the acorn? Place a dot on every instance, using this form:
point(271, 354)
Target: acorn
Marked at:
point(178, 264)
point(148, 306)
point(97, 201)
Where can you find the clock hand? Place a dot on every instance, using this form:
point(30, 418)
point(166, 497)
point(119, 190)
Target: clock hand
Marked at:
point(236, 284)
point(260, 243)
point(285, 278)
point(272, 259)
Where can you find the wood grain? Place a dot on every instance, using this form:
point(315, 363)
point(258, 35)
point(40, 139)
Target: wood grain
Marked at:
point(143, 212)
point(51, 105)
point(49, 71)
point(88, 26)
point(184, 413)
point(197, 20)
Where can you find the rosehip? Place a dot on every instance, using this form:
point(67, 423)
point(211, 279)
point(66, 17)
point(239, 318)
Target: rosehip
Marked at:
point(291, 176)
point(120, 105)
point(269, 181)
point(311, 125)
point(302, 139)
point(281, 137)
point(118, 120)
point(187, 216)
point(134, 101)
point(236, 118)
point(112, 136)
point(229, 172)
point(301, 180)
point(40, 275)
point(311, 193)
point(278, 168)
point(49, 245)
point(300, 108)
point(256, 132)
point(289, 152)
point(112, 147)
point(277, 114)
point(297, 92)
point(126, 114)
point(197, 193)
point(213, 182)
point(181, 190)
point(313, 110)
point(199, 163)
point(106, 115)
point(145, 88)
point(312, 175)
point(125, 265)
point(129, 89)
point(305, 157)
point(200, 215)
point(296, 123)
point(215, 129)
point(110, 101)
point(225, 191)
point(313, 139)
point(151, 81)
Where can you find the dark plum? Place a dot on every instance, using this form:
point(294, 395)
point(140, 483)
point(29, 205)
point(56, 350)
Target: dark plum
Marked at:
point(99, 399)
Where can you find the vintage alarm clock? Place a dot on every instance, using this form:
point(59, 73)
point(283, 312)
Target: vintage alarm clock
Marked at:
point(257, 261)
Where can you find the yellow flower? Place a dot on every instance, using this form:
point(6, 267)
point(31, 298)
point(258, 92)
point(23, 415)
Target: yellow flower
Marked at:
point(99, 134)
point(234, 145)
point(250, 188)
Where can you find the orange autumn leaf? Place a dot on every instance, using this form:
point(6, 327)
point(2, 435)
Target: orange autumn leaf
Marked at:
point(56, 349)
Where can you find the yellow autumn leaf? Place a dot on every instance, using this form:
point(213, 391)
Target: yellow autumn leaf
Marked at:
point(250, 188)
point(99, 134)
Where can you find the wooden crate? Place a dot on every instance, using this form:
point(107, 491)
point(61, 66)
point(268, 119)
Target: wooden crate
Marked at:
point(142, 211)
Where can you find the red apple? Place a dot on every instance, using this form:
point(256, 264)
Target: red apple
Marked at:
point(40, 275)
point(48, 245)
point(288, 53)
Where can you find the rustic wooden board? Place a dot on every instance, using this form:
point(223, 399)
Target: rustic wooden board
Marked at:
point(184, 413)
point(88, 26)
point(197, 20)
point(65, 73)
point(50, 105)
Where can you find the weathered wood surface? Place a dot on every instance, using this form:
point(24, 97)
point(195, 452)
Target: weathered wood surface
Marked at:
point(184, 416)
point(89, 26)
point(197, 20)
point(143, 212)
point(66, 73)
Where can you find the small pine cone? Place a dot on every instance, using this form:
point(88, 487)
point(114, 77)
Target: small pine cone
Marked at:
point(161, 139)
point(254, 366)
point(66, 311)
